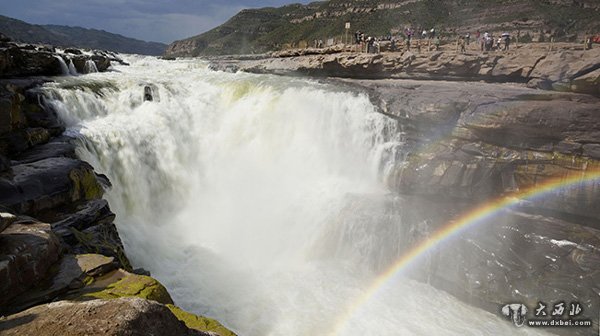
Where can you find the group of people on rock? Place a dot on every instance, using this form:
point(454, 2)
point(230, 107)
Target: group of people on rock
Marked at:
point(486, 40)
point(371, 43)
point(489, 43)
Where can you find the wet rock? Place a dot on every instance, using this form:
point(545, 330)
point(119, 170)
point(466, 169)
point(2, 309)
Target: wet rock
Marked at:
point(41, 116)
point(519, 257)
point(11, 115)
point(27, 250)
point(61, 146)
point(6, 219)
point(102, 62)
point(141, 271)
point(4, 166)
point(84, 216)
point(73, 51)
point(23, 139)
point(48, 183)
point(125, 316)
point(19, 62)
point(46, 48)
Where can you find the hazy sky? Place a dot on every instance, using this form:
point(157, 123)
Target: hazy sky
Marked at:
point(150, 20)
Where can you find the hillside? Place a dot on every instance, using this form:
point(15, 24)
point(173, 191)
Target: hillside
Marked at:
point(76, 37)
point(267, 29)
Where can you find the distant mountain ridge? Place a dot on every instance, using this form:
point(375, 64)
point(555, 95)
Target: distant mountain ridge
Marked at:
point(66, 36)
point(267, 29)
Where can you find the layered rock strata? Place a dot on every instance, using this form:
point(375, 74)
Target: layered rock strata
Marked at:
point(562, 69)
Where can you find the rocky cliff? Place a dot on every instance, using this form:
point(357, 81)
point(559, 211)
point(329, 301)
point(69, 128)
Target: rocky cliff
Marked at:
point(267, 29)
point(467, 144)
point(567, 67)
point(63, 269)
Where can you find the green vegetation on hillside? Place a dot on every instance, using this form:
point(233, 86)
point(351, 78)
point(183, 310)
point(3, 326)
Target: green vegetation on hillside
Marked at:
point(266, 29)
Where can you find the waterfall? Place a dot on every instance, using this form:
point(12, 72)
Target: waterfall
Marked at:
point(257, 200)
point(72, 69)
point(63, 66)
point(90, 67)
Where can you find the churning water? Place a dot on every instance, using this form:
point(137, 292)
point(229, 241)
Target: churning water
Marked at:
point(237, 190)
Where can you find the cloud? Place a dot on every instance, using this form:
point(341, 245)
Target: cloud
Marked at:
point(157, 20)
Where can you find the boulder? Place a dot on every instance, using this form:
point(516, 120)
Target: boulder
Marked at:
point(21, 140)
point(124, 316)
point(20, 62)
point(102, 238)
point(27, 250)
point(121, 283)
point(70, 273)
point(49, 183)
point(73, 51)
point(61, 146)
point(84, 216)
point(201, 323)
point(102, 62)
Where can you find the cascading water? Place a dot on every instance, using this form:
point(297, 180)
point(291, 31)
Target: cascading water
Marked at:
point(63, 66)
point(233, 189)
point(72, 69)
point(90, 67)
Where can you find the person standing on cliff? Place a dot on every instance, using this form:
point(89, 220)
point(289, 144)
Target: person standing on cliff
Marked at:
point(409, 34)
point(506, 38)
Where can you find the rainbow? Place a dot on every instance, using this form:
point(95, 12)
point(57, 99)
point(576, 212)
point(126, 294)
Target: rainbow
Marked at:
point(450, 230)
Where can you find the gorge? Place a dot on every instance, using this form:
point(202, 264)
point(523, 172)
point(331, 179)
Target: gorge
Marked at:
point(321, 202)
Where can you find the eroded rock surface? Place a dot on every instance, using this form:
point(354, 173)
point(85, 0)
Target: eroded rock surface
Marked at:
point(125, 316)
point(560, 70)
point(28, 249)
